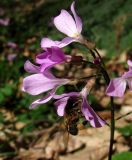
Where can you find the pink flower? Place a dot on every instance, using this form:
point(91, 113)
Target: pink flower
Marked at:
point(31, 68)
point(67, 24)
point(51, 57)
point(48, 43)
point(86, 109)
point(44, 99)
point(117, 86)
point(11, 57)
point(38, 83)
point(12, 45)
point(47, 60)
point(129, 62)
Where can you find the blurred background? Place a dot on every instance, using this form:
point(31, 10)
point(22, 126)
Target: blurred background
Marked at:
point(23, 23)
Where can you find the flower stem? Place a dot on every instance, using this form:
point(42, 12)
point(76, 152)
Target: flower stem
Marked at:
point(94, 51)
point(112, 127)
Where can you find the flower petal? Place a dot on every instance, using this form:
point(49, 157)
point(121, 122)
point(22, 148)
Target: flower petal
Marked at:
point(116, 87)
point(61, 104)
point(77, 18)
point(57, 55)
point(42, 58)
point(128, 74)
point(51, 57)
point(48, 43)
point(129, 62)
point(49, 74)
point(31, 68)
point(66, 41)
point(65, 23)
point(38, 83)
point(43, 100)
point(90, 115)
point(71, 94)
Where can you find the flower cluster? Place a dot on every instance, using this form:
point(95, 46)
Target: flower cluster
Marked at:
point(42, 79)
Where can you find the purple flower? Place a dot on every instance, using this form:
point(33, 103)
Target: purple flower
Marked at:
point(31, 68)
point(51, 57)
point(12, 45)
point(86, 109)
point(117, 86)
point(48, 43)
point(129, 62)
point(39, 83)
point(11, 57)
point(44, 99)
point(67, 24)
point(46, 60)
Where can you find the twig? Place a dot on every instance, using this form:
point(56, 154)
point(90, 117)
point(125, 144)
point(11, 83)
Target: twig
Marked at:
point(118, 118)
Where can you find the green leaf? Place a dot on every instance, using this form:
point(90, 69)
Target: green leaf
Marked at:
point(2, 98)
point(28, 128)
point(1, 118)
point(7, 90)
point(122, 156)
point(126, 131)
point(60, 90)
